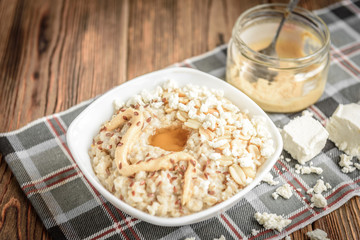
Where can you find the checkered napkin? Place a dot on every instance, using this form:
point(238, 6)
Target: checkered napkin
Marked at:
point(70, 207)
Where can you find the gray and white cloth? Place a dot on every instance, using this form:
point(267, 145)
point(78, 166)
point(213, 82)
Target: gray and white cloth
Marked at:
point(70, 207)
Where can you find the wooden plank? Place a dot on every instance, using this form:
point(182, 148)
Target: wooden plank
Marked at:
point(53, 55)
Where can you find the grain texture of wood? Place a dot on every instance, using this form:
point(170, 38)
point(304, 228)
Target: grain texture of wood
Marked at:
point(55, 54)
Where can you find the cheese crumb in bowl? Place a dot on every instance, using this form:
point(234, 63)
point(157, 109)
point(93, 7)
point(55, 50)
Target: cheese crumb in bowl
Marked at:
point(344, 128)
point(304, 138)
point(176, 151)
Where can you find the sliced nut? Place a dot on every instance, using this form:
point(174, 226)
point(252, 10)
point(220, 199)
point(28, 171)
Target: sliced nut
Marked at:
point(210, 200)
point(249, 171)
point(237, 174)
point(226, 145)
point(243, 137)
point(237, 143)
point(211, 111)
point(184, 100)
point(182, 116)
point(254, 150)
point(169, 110)
point(230, 128)
point(191, 123)
point(209, 135)
point(227, 137)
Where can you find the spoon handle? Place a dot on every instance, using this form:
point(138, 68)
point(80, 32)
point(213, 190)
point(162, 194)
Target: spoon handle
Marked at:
point(292, 4)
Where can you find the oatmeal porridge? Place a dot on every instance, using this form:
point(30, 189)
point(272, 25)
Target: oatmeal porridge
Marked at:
point(179, 150)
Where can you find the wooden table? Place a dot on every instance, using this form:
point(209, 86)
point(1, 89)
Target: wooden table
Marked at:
point(55, 54)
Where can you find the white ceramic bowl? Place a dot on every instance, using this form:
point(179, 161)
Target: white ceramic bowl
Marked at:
point(87, 124)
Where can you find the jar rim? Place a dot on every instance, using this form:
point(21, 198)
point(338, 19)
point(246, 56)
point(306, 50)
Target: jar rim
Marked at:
point(300, 11)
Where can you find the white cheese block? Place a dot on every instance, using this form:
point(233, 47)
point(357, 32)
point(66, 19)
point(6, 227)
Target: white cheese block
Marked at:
point(304, 137)
point(344, 128)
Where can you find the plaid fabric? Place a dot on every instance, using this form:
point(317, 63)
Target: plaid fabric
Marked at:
point(71, 208)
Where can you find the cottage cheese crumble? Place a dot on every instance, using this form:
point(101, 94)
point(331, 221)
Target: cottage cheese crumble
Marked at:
point(307, 169)
point(272, 221)
point(344, 128)
point(268, 178)
point(317, 199)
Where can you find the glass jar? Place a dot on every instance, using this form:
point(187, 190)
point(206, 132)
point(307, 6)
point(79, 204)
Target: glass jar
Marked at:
point(296, 77)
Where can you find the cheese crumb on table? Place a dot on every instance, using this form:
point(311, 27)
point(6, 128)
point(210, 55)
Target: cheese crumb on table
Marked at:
point(318, 200)
point(287, 238)
point(272, 221)
point(346, 163)
point(307, 170)
point(269, 179)
point(284, 191)
point(344, 128)
point(317, 234)
point(304, 138)
point(254, 232)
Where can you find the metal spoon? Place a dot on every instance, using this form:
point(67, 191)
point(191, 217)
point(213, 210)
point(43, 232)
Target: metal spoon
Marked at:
point(271, 49)
point(260, 71)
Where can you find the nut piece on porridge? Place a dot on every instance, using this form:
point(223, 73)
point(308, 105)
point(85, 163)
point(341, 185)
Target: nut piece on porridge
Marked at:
point(176, 151)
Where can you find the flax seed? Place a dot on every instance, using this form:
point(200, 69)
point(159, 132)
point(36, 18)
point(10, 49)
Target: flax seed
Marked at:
point(125, 118)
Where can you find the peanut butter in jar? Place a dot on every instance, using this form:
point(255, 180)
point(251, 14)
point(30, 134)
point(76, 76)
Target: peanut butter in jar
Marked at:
point(296, 77)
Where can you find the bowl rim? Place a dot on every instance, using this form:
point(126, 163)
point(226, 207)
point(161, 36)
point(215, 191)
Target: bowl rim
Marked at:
point(183, 220)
